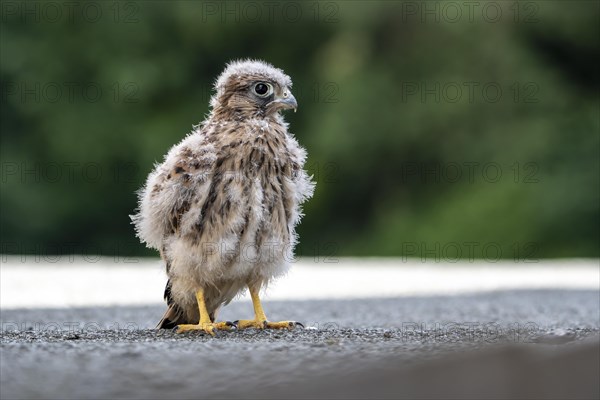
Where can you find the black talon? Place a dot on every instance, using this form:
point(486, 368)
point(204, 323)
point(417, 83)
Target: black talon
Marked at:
point(299, 324)
point(232, 325)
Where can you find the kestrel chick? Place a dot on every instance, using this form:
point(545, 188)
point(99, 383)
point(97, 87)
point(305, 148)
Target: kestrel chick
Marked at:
point(223, 206)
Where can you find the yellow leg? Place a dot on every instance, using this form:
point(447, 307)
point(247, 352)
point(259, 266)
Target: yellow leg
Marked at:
point(260, 319)
point(205, 324)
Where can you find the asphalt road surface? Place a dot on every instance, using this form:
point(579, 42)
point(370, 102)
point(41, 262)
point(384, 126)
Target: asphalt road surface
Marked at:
point(508, 344)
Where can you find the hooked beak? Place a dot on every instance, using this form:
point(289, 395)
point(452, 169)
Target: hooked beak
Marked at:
point(285, 101)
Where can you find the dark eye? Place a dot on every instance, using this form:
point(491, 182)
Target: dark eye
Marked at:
point(263, 89)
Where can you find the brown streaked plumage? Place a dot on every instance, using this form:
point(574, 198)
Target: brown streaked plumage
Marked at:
point(223, 205)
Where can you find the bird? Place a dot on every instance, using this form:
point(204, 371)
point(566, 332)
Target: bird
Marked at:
point(222, 207)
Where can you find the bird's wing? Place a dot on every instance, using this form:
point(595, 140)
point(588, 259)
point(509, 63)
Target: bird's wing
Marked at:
point(177, 186)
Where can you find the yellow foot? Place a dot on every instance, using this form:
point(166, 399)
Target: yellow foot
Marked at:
point(258, 324)
point(209, 328)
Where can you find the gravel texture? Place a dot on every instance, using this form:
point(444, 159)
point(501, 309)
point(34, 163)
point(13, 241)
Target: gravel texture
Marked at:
point(513, 344)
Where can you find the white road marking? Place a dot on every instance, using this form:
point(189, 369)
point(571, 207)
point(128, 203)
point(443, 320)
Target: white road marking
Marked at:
point(71, 281)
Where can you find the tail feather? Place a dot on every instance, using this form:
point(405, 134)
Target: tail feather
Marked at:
point(173, 317)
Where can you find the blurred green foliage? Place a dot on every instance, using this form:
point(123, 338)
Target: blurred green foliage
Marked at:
point(432, 131)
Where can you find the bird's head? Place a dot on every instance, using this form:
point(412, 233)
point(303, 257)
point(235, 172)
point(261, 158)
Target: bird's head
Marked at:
point(249, 88)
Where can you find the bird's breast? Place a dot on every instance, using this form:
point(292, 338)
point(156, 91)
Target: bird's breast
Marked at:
point(253, 188)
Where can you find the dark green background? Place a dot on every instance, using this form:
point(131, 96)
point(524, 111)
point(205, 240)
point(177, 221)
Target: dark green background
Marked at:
point(408, 160)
